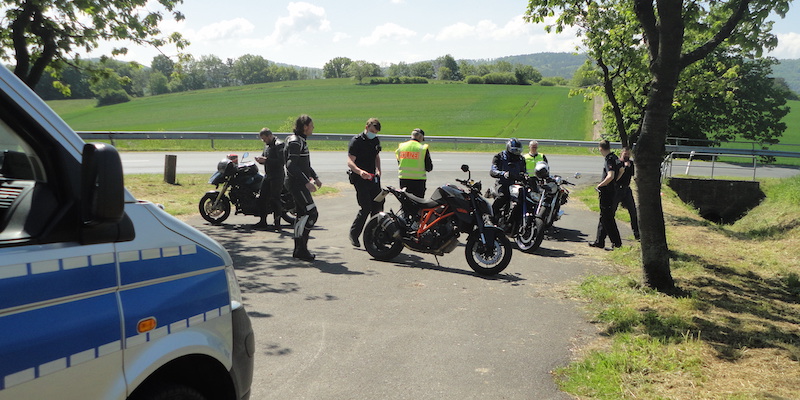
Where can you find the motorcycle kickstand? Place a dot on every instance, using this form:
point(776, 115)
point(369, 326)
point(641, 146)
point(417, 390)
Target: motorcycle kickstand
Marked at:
point(437, 260)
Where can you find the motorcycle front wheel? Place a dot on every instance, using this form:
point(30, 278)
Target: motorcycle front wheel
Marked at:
point(214, 215)
point(531, 235)
point(491, 258)
point(379, 243)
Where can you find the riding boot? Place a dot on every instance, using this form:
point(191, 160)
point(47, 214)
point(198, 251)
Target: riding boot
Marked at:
point(301, 248)
point(262, 223)
point(277, 225)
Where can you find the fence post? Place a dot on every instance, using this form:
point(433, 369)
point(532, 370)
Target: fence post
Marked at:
point(170, 164)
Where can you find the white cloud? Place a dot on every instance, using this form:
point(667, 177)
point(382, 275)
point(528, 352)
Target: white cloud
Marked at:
point(229, 29)
point(340, 36)
point(388, 32)
point(303, 18)
point(788, 46)
point(485, 29)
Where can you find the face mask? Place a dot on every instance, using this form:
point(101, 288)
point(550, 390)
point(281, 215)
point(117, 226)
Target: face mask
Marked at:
point(371, 135)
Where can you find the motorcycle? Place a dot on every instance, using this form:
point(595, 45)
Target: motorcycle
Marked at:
point(534, 206)
point(434, 226)
point(241, 183)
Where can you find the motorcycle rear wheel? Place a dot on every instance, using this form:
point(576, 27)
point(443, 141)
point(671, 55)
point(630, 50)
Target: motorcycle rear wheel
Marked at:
point(378, 243)
point(492, 260)
point(214, 215)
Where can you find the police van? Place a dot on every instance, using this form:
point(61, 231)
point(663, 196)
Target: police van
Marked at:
point(103, 296)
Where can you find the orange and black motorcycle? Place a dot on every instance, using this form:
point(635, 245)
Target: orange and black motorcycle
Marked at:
point(433, 226)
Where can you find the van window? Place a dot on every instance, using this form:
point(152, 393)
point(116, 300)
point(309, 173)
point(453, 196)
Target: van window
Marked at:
point(29, 201)
point(17, 160)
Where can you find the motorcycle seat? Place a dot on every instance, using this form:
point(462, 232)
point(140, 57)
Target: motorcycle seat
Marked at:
point(422, 203)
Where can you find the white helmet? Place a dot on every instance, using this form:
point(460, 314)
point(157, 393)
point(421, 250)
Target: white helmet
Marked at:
point(542, 170)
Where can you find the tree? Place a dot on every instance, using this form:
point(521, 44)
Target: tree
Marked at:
point(526, 74)
point(361, 69)
point(46, 33)
point(250, 69)
point(336, 68)
point(725, 97)
point(158, 83)
point(453, 72)
point(163, 64)
point(672, 35)
point(423, 69)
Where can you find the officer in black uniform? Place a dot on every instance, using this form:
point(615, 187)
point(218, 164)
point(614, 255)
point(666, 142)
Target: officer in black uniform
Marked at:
point(269, 198)
point(507, 166)
point(302, 180)
point(364, 163)
point(624, 192)
point(612, 168)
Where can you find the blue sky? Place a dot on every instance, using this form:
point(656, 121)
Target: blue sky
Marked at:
point(310, 33)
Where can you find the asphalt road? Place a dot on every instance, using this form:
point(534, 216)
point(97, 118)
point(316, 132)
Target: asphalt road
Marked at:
point(325, 162)
point(350, 327)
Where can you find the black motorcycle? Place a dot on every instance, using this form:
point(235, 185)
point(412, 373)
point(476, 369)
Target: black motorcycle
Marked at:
point(433, 226)
point(534, 206)
point(518, 218)
point(241, 183)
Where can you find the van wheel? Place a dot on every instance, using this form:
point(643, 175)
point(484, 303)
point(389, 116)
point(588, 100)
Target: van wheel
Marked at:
point(171, 392)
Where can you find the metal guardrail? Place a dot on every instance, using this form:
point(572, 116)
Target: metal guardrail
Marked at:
point(117, 135)
point(666, 165)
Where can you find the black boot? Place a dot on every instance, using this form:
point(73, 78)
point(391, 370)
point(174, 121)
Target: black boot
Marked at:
point(262, 224)
point(301, 248)
point(277, 225)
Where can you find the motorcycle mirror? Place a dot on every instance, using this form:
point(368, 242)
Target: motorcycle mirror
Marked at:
point(246, 153)
point(577, 175)
point(465, 167)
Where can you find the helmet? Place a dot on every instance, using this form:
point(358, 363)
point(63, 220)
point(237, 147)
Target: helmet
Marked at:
point(542, 170)
point(514, 146)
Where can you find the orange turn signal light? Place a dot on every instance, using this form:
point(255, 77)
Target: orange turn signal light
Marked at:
point(146, 325)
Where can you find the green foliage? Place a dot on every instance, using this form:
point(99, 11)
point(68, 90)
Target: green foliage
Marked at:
point(361, 69)
point(47, 33)
point(474, 80)
point(725, 97)
point(398, 80)
point(107, 97)
point(336, 68)
point(500, 78)
point(553, 81)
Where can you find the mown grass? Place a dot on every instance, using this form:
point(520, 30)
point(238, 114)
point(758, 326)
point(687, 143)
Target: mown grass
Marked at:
point(184, 202)
point(339, 106)
point(734, 333)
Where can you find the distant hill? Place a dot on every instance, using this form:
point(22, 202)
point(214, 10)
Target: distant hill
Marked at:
point(549, 64)
point(790, 71)
point(565, 65)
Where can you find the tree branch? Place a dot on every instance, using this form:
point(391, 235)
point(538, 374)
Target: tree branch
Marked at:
point(724, 33)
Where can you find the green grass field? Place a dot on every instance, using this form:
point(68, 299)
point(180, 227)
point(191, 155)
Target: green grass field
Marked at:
point(340, 106)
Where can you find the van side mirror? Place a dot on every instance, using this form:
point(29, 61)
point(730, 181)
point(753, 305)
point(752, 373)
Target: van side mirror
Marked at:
point(102, 186)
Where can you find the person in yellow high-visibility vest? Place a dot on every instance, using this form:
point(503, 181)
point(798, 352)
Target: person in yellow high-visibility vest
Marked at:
point(533, 156)
point(413, 163)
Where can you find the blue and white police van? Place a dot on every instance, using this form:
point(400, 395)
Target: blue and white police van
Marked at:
point(103, 296)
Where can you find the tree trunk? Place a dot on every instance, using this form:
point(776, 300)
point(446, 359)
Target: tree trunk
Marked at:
point(649, 153)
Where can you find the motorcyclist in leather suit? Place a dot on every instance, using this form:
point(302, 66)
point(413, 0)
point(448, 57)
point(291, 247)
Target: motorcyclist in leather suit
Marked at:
point(507, 166)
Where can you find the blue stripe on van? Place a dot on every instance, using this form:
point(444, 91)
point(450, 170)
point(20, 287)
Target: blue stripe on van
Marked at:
point(44, 340)
point(174, 301)
point(143, 265)
point(35, 287)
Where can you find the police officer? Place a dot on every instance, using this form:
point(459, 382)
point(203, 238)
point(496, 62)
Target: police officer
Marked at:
point(532, 157)
point(272, 158)
point(624, 192)
point(507, 166)
point(612, 168)
point(364, 163)
point(413, 162)
point(302, 180)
